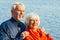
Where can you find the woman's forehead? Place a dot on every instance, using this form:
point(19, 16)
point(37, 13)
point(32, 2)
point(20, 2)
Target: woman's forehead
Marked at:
point(34, 19)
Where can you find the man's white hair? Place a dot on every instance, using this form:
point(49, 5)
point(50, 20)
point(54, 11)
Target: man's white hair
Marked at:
point(31, 16)
point(15, 5)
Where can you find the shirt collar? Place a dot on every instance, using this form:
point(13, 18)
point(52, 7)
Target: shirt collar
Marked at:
point(13, 20)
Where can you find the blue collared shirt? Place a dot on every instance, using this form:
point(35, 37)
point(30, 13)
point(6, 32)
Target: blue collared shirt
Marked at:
point(10, 29)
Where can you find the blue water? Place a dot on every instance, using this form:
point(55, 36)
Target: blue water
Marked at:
point(48, 11)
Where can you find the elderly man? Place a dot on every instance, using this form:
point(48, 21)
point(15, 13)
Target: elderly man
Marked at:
point(12, 28)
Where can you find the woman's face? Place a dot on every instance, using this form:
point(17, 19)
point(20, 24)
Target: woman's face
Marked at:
point(33, 23)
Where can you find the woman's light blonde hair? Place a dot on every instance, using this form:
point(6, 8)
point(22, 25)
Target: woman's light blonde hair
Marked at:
point(31, 16)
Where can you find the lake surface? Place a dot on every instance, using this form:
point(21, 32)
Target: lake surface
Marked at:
point(48, 11)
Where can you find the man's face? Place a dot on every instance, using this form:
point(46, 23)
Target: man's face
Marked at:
point(18, 13)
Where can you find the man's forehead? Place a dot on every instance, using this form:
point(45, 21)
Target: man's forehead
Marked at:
point(20, 7)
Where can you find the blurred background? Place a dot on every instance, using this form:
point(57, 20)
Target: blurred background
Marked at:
point(48, 11)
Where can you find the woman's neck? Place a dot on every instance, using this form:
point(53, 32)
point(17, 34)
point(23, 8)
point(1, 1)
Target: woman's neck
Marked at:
point(34, 29)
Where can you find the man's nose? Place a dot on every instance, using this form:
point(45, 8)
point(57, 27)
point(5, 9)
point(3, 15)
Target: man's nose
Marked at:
point(21, 13)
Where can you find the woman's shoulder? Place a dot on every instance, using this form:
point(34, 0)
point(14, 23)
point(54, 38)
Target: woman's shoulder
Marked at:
point(41, 29)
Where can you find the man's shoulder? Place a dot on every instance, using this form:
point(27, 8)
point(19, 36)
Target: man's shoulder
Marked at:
point(23, 26)
point(22, 23)
point(3, 23)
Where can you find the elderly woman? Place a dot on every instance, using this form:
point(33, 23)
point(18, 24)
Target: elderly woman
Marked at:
point(32, 22)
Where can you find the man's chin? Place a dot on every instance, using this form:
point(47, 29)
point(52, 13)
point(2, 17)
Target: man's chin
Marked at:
point(19, 19)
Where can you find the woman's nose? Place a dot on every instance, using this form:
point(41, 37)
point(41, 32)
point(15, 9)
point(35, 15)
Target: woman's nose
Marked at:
point(34, 21)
